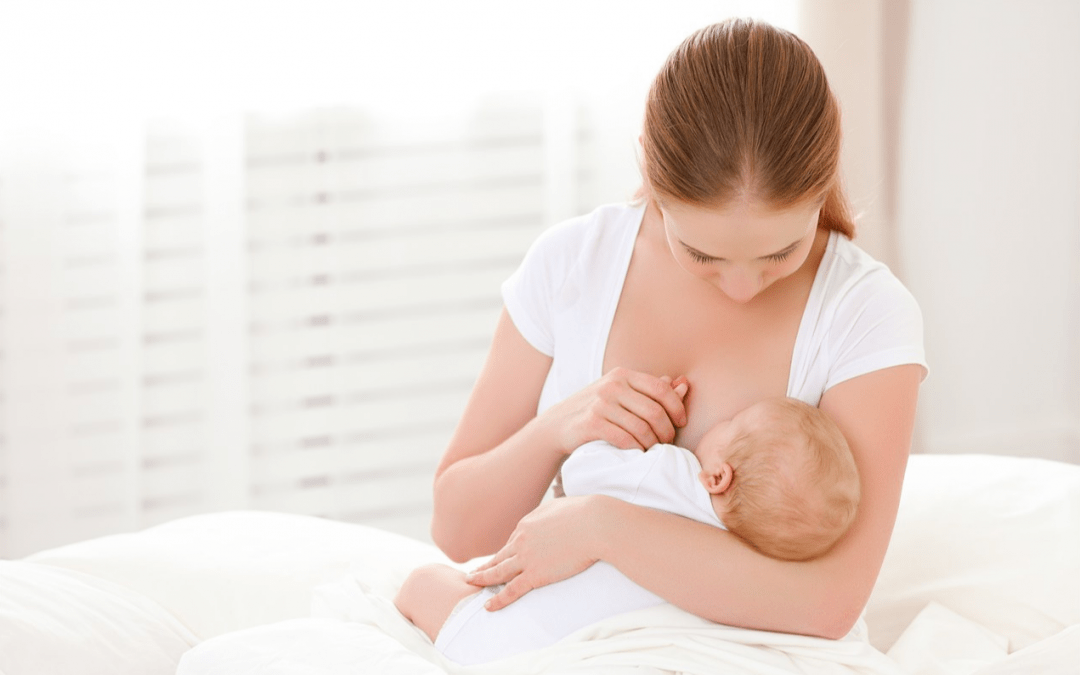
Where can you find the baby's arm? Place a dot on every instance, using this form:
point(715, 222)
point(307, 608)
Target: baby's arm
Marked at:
point(429, 594)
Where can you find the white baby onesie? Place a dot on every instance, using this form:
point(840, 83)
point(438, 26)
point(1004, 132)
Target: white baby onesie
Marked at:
point(665, 477)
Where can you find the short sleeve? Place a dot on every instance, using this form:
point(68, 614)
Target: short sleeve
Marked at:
point(531, 291)
point(882, 327)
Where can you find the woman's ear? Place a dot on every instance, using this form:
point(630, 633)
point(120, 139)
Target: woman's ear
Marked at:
point(717, 482)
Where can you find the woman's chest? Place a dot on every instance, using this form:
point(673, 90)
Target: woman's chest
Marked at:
point(732, 355)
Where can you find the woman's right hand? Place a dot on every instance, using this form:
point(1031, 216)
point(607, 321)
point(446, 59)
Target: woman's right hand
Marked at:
point(626, 408)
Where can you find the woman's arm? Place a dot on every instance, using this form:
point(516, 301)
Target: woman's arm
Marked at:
point(502, 457)
point(486, 463)
point(711, 573)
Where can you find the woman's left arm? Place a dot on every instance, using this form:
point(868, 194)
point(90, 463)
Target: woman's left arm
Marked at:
point(712, 573)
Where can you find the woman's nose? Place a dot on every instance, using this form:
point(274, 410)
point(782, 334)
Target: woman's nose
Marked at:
point(740, 285)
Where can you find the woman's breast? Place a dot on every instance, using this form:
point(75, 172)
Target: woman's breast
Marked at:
point(733, 356)
point(720, 389)
point(725, 376)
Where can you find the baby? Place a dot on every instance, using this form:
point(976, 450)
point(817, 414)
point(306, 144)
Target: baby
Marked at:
point(779, 475)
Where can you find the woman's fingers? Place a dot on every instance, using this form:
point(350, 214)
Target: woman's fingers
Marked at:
point(504, 573)
point(483, 567)
point(651, 417)
point(626, 408)
point(681, 385)
point(662, 392)
point(552, 543)
point(493, 573)
point(511, 592)
point(654, 405)
point(628, 430)
point(480, 574)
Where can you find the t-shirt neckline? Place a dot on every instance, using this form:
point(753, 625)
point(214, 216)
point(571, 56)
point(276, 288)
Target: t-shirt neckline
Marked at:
point(618, 278)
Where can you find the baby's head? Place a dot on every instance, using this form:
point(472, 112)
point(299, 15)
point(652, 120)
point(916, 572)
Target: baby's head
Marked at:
point(781, 477)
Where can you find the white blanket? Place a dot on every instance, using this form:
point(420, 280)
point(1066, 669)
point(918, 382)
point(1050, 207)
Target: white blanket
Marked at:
point(982, 578)
point(356, 631)
point(353, 630)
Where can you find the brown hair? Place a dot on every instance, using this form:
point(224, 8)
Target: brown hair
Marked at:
point(743, 109)
point(795, 490)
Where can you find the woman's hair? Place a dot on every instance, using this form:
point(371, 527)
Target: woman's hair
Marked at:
point(795, 490)
point(742, 109)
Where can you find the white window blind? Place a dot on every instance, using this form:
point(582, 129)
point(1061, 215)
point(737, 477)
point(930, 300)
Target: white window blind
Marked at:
point(375, 264)
point(71, 418)
point(272, 312)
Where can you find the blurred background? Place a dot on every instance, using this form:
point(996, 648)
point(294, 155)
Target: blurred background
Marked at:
point(250, 252)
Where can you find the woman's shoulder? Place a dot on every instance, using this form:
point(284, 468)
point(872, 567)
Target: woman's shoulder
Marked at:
point(852, 278)
point(588, 243)
point(567, 260)
point(859, 318)
point(591, 231)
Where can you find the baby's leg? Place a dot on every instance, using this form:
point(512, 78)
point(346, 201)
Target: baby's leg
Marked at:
point(430, 593)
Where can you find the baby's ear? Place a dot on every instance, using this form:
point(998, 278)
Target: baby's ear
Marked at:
point(718, 482)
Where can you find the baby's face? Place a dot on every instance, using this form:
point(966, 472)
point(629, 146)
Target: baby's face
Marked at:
point(714, 448)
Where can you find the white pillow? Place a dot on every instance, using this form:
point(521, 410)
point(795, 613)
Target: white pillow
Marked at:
point(57, 622)
point(226, 571)
point(995, 539)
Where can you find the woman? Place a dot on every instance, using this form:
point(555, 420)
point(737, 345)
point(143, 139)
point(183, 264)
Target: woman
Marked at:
point(735, 271)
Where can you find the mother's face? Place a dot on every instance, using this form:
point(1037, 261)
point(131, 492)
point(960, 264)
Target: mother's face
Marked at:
point(742, 248)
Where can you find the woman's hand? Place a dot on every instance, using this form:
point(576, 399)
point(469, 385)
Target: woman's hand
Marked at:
point(626, 408)
point(554, 542)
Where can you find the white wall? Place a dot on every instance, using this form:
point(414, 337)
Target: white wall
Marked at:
point(847, 38)
point(989, 222)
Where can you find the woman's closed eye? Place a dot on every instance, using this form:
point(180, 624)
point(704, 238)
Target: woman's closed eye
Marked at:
point(701, 258)
point(706, 259)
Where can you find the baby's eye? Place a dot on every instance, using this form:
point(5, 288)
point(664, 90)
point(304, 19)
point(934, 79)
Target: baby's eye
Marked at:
point(779, 257)
point(699, 258)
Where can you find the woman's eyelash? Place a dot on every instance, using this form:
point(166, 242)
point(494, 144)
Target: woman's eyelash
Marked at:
point(697, 257)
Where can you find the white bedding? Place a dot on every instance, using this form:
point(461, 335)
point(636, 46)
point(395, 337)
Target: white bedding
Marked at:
point(982, 577)
point(661, 639)
point(55, 620)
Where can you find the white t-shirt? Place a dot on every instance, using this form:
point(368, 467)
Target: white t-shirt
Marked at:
point(859, 317)
point(665, 478)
